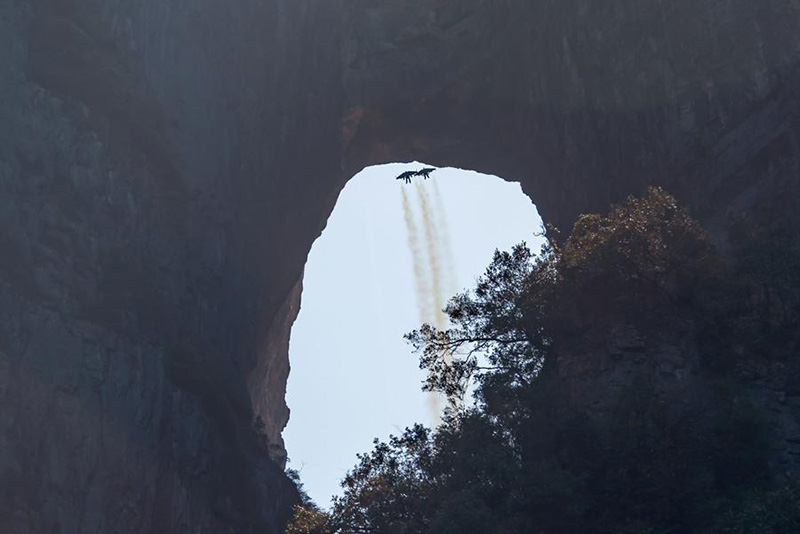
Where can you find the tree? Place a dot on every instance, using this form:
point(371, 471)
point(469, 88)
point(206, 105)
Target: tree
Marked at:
point(309, 519)
point(647, 252)
point(489, 337)
point(388, 492)
point(527, 457)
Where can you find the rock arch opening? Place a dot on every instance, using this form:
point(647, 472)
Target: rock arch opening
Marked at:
point(389, 258)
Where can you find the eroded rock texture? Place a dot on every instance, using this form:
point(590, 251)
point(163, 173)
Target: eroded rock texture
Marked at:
point(148, 151)
point(166, 165)
point(582, 101)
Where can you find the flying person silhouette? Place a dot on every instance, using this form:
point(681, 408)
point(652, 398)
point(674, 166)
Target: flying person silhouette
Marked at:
point(406, 176)
point(425, 173)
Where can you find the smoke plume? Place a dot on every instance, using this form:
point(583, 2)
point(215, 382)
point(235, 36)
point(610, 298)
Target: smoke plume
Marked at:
point(417, 258)
point(444, 240)
point(433, 246)
point(431, 260)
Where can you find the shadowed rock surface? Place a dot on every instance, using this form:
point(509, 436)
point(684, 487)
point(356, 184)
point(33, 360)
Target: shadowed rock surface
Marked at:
point(165, 167)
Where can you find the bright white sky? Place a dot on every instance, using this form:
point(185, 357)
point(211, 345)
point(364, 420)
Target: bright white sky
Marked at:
point(353, 377)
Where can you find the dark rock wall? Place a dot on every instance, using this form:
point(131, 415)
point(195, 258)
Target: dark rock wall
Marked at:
point(148, 151)
point(585, 102)
point(616, 366)
point(165, 167)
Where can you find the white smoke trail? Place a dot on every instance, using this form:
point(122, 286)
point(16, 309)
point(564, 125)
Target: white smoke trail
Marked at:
point(417, 258)
point(451, 280)
point(433, 265)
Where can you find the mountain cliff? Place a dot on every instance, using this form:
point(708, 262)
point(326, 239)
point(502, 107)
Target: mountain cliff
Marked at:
point(165, 167)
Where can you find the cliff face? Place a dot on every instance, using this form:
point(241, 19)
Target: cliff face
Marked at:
point(585, 102)
point(147, 151)
point(165, 167)
point(656, 368)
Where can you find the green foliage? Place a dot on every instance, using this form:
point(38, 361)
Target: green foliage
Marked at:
point(533, 455)
point(450, 481)
point(647, 244)
point(389, 489)
point(308, 519)
point(488, 339)
point(646, 256)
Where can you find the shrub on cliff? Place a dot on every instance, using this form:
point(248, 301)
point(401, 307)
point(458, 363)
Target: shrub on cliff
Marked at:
point(308, 519)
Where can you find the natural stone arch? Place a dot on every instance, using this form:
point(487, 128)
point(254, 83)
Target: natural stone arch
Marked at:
point(583, 103)
point(201, 244)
